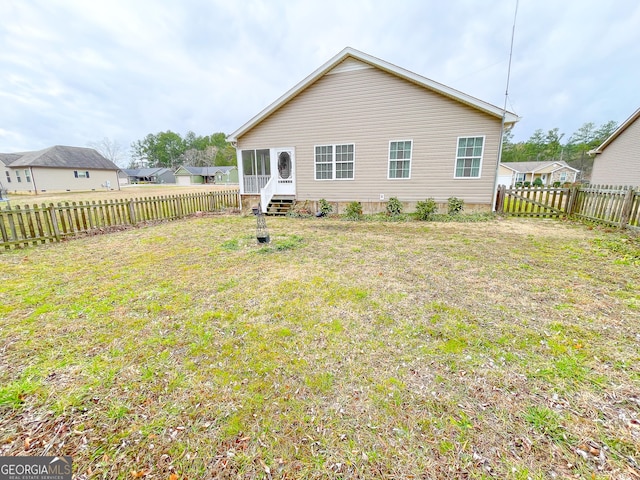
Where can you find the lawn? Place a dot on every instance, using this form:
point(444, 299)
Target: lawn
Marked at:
point(127, 191)
point(501, 349)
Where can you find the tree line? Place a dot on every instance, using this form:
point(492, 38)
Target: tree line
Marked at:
point(548, 146)
point(170, 150)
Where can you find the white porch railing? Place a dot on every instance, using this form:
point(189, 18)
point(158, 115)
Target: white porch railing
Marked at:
point(267, 193)
point(255, 183)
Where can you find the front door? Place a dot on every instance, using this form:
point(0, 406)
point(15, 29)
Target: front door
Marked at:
point(284, 159)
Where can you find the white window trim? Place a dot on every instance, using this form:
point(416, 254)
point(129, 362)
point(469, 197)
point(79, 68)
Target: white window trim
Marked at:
point(333, 162)
point(389, 177)
point(455, 162)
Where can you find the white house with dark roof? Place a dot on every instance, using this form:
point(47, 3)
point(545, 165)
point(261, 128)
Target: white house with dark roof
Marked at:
point(617, 160)
point(362, 129)
point(58, 168)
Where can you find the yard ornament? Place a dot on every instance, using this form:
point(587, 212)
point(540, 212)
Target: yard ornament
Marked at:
point(262, 234)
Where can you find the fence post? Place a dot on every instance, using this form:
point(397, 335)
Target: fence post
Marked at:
point(132, 213)
point(573, 194)
point(627, 204)
point(179, 206)
point(500, 199)
point(54, 221)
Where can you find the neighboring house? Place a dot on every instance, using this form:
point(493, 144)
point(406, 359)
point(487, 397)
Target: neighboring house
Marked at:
point(150, 175)
point(7, 175)
point(617, 160)
point(362, 129)
point(550, 172)
point(58, 168)
point(203, 175)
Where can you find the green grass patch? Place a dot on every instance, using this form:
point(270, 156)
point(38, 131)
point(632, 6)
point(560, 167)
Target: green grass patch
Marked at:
point(364, 349)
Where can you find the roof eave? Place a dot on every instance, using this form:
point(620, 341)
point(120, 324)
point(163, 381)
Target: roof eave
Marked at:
point(634, 116)
point(509, 117)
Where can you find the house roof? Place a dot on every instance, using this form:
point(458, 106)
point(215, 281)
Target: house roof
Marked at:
point(60, 156)
point(146, 172)
point(532, 167)
point(9, 158)
point(349, 52)
point(616, 133)
point(206, 171)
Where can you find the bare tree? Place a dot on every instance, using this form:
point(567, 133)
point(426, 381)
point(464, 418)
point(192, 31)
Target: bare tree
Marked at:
point(111, 150)
point(200, 158)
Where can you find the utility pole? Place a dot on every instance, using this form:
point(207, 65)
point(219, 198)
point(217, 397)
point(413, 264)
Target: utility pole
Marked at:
point(504, 112)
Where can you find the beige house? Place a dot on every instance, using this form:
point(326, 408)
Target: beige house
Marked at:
point(617, 160)
point(362, 129)
point(57, 169)
point(549, 172)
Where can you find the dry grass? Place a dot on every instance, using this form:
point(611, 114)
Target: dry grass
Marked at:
point(505, 349)
point(127, 191)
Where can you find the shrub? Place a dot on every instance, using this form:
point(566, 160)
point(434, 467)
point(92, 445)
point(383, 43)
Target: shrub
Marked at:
point(538, 182)
point(300, 210)
point(526, 184)
point(394, 206)
point(425, 210)
point(353, 210)
point(518, 184)
point(325, 207)
point(556, 184)
point(456, 205)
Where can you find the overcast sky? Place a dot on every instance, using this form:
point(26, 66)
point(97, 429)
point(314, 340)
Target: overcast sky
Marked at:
point(75, 71)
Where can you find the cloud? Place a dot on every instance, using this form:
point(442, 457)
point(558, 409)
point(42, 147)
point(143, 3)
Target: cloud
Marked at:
point(77, 71)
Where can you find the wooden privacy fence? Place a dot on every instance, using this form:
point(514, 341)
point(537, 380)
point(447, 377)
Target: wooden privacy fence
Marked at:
point(616, 206)
point(21, 226)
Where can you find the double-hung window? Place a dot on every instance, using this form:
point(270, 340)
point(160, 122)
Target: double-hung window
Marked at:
point(18, 177)
point(80, 174)
point(8, 177)
point(334, 162)
point(469, 157)
point(27, 175)
point(563, 177)
point(520, 177)
point(400, 159)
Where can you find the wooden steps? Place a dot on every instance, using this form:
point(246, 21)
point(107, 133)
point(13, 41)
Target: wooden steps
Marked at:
point(280, 205)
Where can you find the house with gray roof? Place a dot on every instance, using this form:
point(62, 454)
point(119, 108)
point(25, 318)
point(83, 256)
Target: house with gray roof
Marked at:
point(222, 175)
point(549, 172)
point(58, 168)
point(158, 175)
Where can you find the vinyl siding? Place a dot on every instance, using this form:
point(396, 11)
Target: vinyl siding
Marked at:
point(62, 179)
point(370, 107)
point(619, 162)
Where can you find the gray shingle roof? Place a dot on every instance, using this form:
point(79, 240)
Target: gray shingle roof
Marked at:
point(9, 158)
point(60, 156)
point(145, 172)
point(527, 167)
point(207, 171)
